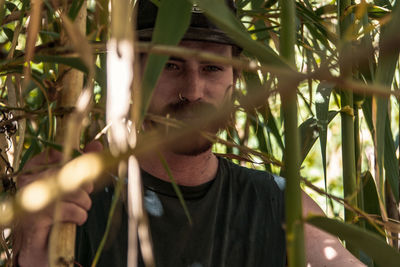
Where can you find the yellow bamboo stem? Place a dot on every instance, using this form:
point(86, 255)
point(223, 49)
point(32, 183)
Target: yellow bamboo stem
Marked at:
point(62, 237)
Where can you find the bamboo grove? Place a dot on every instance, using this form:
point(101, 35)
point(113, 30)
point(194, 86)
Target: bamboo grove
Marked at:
point(318, 91)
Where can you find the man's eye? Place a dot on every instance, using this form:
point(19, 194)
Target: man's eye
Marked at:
point(212, 68)
point(171, 66)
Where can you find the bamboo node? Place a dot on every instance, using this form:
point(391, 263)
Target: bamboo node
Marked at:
point(63, 261)
point(348, 110)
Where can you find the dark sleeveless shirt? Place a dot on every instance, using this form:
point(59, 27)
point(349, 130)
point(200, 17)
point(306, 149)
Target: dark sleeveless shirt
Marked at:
point(236, 221)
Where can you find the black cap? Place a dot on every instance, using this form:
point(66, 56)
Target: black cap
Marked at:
point(200, 29)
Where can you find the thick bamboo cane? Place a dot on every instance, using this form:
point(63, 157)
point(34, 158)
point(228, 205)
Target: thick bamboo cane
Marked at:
point(288, 92)
point(62, 237)
point(346, 97)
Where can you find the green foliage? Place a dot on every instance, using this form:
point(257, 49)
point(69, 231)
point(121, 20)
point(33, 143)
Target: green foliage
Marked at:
point(359, 59)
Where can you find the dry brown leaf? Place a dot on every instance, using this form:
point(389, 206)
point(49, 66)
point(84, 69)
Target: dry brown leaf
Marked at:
point(33, 30)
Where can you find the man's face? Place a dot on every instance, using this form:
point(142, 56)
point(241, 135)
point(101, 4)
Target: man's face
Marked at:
point(187, 86)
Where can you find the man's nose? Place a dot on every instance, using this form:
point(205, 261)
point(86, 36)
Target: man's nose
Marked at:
point(193, 86)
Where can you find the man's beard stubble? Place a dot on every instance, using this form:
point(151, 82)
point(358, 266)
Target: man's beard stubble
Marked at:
point(190, 113)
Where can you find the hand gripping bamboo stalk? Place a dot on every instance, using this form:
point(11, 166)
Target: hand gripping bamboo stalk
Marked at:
point(62, 237)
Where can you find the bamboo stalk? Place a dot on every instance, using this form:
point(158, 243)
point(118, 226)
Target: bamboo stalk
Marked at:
point(62, 237)
point(119, 85)
point(346, 97)
point(102, 16)
point(288, 91)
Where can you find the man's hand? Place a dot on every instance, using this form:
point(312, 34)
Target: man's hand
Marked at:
point(34, 229)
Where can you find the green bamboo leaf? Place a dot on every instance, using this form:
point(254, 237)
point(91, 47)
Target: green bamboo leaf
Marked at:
point(17, 69)
point(373, 11)
point(74, 9)
point(101, 77)
point(9, 33)
point(309, 133)
point(390, 161)
point(260, 30)
point(371, 202)
point(314, 24)
point(376, 12)
point(367, 111)
point(172, 21)
point(253, 84)
point(52, 35)
point(29, 153)
point(383, 3)
point(262, 137)
point(321, 107)
point(273, 128)
point(242, 4)
point(222, 16)
point(74, 62)
point(370, 243)
point(11, 6)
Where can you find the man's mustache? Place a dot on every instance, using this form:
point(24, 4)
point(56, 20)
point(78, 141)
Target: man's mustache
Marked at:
point(185, 107)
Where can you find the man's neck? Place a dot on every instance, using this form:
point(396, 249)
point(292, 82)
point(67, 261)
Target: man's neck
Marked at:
point(186, 170)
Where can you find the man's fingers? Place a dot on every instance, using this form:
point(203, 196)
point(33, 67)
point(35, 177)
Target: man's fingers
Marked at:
point(88, 187)
point(72, 213)
point(79, 198)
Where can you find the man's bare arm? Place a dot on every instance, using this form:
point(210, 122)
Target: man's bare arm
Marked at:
point(323, 249)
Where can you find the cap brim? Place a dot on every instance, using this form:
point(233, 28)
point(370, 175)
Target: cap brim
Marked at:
point(193, 34)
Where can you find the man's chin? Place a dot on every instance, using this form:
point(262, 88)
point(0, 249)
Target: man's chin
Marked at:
point(191, 149)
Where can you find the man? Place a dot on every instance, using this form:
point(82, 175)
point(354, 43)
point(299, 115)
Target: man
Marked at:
point(237, 213)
